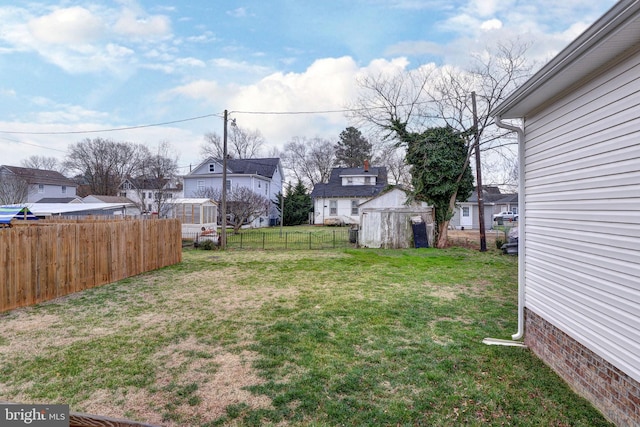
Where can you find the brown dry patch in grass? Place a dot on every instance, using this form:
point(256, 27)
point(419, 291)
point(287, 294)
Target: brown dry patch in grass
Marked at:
point(221, 377)
point(26, 332)
point(440, 292)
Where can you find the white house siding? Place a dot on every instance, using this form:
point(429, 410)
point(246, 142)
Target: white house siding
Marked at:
point(49, 191)
point(323, 215)
point(582, 214)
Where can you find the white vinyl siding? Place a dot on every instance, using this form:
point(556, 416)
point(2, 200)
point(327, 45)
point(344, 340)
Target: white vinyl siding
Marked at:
point(582, 214)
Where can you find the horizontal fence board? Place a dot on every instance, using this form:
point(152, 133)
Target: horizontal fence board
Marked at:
point(43, 260)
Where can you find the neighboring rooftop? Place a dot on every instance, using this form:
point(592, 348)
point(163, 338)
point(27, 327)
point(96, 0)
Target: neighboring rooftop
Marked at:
point(40, 176)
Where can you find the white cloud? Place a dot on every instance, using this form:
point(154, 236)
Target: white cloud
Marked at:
point(130, 24)
point(329, 84)
point(74, 25)
point(240, 12)
point(491, 24)
point(411, 48)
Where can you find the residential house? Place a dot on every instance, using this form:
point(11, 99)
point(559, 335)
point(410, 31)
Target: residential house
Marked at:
point(151, 195)
point(337, 202)
point(263, 176)
point(466, 215)
point(579, 212)
point(38, 183)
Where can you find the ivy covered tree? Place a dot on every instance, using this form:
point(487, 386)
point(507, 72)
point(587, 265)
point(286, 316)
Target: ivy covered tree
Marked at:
point(352, 149)
point(440, 171)
point(297, 204)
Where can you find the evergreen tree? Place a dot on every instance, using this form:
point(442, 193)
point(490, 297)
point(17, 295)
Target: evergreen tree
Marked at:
point(297, 204)
point(352, 149)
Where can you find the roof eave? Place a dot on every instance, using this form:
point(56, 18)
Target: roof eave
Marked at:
point(618, 29)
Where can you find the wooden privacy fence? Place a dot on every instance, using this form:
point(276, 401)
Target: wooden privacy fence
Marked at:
point(48, 259)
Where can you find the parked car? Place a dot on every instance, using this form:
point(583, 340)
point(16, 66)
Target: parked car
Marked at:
point(505, 216)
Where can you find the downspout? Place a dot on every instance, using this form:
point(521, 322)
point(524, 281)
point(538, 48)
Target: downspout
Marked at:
point(517, 337)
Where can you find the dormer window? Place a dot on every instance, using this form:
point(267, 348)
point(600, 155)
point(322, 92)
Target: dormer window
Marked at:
point(212, 167)
point(367, 180)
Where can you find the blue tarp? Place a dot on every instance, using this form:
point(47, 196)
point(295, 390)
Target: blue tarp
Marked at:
point(7, 213)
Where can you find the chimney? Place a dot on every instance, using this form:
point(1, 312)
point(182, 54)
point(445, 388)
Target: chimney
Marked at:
point(366, 165)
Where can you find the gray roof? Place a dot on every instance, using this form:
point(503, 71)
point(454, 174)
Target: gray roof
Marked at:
point(492, 197)
point(263, 167)
point(57, 199)
point(334, 187)
point(40, 176)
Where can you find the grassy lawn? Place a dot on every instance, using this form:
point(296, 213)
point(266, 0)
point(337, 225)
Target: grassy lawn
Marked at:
point(309, 338)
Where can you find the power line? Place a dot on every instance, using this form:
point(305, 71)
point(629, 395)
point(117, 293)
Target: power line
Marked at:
point(110, 129)
point(34, 145)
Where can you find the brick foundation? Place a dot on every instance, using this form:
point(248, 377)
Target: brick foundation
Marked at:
point(610, 390)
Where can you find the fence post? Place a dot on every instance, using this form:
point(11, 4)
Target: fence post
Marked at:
point(334, 239)
point(309, 240)
point(286, 238)
point(264, 235)
point(241, 236)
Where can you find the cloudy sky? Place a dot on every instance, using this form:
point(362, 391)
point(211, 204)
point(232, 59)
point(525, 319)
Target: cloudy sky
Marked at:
point(73, 69)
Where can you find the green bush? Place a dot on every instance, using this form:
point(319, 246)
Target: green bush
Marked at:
point(207, 245)
point(499, 243)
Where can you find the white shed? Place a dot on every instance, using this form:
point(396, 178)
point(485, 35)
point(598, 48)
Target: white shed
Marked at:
point(579, 236)
point(386, 220)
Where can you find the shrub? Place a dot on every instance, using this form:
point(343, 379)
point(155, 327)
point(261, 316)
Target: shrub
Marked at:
point(207, 245)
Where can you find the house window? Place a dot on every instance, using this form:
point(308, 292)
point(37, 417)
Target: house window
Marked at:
point(123, 194)
point(350, 180)
point(333, 207)
point(266, 189)
point(354, 207)
point(212, 167)
point(228, 184)
point(200, 185)
point(367, 180)
point(64, 189)
point(514, 210)
point(150, 195)
point(465, 211)
point(259, 184)
point(40, 188)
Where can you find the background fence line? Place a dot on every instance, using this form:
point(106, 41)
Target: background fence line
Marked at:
point(43, 260)
point(288, 240)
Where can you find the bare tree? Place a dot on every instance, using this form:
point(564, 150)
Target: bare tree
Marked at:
point(13, 189)
point(430, 97)
point(492, 76)
point(439, 97)
point(43, 162)
point(392, 157)
point(309, 160)
point(104, 164)
point(158, 173)
point(243, 205)
point(212, 146)
point(241, 144)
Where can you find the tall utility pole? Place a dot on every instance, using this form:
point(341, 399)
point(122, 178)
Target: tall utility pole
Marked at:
point(223, 230)
point(479, 189)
